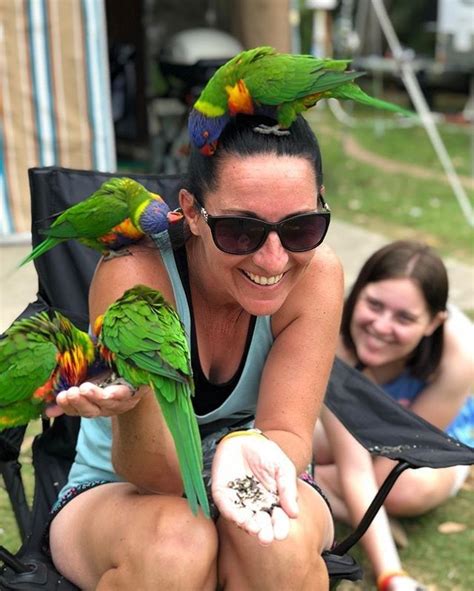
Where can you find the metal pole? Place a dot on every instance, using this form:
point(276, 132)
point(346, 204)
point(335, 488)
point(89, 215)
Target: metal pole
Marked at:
point(421, 106)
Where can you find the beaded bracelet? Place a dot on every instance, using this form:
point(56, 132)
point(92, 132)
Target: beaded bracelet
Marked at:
point(383, 581)
point(242, 433)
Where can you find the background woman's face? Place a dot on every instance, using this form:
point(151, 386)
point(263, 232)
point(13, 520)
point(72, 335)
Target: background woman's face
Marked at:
point(269, 187)
point(389, 320)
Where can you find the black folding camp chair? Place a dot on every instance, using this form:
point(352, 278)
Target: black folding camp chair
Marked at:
point(64, 274)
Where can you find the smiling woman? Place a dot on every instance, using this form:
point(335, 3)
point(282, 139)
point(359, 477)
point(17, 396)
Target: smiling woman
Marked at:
point(396, 329)
point(260, 299)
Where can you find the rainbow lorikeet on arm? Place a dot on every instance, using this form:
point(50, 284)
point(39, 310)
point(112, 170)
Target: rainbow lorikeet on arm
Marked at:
point(142, 339)
point(121, 212)
point(280, 85)
point(40, 356)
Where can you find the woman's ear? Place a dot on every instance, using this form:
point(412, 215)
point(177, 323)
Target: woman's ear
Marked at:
point(187, 202)
point(436, 321)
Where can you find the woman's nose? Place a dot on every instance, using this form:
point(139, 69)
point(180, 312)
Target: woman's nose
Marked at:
point(382, 322)
point(271, 256)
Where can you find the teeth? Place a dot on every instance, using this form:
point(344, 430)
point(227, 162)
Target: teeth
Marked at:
point(261, 280)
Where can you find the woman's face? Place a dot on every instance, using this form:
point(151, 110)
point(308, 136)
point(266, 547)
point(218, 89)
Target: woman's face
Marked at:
point(269, 187)
point(389, 320)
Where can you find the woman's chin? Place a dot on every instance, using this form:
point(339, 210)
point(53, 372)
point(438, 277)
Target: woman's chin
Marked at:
point(371, 358)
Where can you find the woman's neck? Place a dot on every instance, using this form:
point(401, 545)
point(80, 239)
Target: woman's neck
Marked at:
point(382, 374)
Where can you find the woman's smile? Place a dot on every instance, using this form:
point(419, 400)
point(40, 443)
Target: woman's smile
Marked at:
point(263, 280)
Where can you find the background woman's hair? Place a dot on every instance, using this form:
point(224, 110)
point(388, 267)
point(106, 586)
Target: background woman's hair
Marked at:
point(240, 139)
point(417, 261)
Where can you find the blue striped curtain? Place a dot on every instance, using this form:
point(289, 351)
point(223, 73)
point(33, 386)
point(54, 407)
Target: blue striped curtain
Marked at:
point(55, 105)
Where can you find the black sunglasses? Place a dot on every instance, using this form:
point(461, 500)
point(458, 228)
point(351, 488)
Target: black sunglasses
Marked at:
point(243, 235)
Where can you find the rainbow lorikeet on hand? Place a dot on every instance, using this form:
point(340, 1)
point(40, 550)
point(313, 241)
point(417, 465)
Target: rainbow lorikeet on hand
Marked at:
point(40, 356)
point(142, 338)
point(280, 85)
point(119, 213)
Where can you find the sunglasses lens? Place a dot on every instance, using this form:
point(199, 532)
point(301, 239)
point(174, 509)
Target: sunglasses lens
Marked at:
point(238, 235)
point(304, 232)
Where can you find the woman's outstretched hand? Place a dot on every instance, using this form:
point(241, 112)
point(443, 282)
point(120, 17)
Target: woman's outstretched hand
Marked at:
point(254, 485)
point(90, 400)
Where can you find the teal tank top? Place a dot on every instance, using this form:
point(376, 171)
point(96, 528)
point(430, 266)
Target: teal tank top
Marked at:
point(94, 445)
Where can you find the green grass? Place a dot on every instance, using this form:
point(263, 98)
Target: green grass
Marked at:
point(441, 561)
point(397, 204)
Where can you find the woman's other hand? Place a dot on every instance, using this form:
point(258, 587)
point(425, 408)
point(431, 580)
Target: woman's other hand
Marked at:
point(250, 462)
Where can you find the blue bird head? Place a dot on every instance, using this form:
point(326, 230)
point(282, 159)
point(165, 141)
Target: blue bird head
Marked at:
point(205, 131)
point(154, 218)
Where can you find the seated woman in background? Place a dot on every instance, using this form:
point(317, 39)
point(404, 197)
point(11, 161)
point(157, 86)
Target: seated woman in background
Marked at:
point(396, 329)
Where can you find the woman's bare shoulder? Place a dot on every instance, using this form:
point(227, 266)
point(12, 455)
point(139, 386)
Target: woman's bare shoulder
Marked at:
point(458, 351)
point(140, 264)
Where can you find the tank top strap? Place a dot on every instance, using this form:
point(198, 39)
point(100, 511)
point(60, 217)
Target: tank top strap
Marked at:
point(163, 243)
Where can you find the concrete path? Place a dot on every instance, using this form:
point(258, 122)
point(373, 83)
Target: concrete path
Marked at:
point(353, 245)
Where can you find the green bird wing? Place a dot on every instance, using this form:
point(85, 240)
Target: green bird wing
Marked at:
point(96, 215)
point(147, 339)
point(26, 363)
point(18, 413)
point(281, 78)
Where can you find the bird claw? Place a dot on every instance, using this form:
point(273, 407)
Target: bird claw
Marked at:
point(271, 130)
point(115, 254)
point(114, 380)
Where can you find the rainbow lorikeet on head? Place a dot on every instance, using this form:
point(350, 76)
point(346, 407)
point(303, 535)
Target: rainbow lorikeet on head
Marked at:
point(39, 357)
point(142, 338)
point(280, 85)
point(119, 213)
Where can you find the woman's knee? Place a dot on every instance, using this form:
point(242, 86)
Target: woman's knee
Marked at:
point(179, 537)
point(295, 562)
point(417, 492)
point(132, 537)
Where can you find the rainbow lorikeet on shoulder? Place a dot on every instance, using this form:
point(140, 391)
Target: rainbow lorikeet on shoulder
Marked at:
point(143, 340)
point(40, 356)
point(281, 85)
point(121, 212)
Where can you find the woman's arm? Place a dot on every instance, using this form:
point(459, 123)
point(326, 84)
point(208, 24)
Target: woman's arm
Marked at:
point(143, 451)
point(296, 373)
point(441, 400)
point(358, 486)
point(291, 391)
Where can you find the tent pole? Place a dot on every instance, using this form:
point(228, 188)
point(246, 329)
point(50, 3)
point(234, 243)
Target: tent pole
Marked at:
point(413, 87)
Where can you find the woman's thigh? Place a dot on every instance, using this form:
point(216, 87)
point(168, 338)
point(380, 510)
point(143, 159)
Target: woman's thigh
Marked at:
point(322, 451)
point(112, 524)
point(418, 491)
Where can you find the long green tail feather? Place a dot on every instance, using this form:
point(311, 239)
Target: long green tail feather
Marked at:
point(181, 421)
point(42, 247)
point(355, 93)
